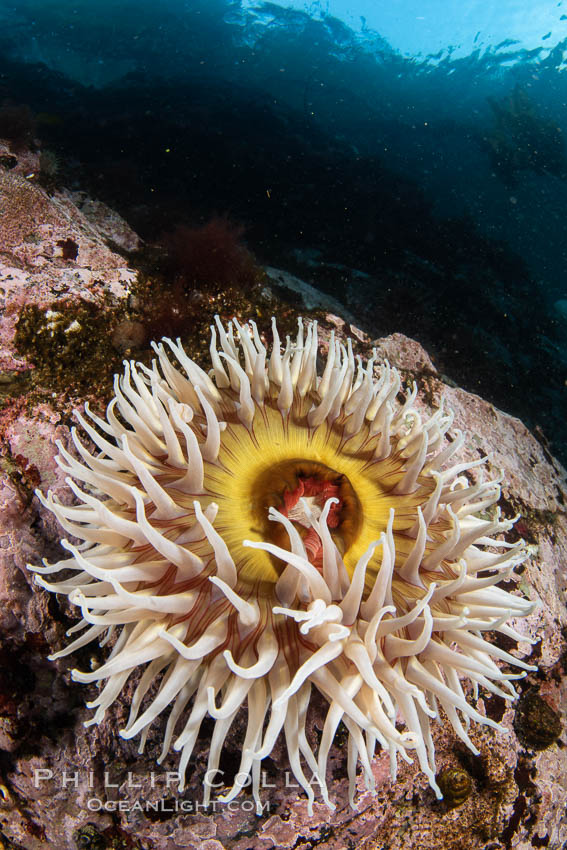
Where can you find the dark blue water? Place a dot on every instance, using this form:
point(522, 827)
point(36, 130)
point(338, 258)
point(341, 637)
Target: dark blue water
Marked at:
point(427, 193)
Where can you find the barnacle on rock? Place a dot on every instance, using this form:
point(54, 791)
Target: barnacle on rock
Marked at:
point(537, 724)
point(456, 785)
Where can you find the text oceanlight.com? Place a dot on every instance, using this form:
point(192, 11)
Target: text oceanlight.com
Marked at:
point(171, 806)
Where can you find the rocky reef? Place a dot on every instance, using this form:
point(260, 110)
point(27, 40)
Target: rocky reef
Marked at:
point(73, 305)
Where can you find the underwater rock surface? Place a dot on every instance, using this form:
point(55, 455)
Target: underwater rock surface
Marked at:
point(64, 282)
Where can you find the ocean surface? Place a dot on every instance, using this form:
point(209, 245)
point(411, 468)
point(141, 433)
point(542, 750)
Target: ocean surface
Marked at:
point(409, 160)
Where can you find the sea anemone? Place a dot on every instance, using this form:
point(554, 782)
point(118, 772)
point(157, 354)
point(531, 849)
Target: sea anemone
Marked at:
point(259, 529)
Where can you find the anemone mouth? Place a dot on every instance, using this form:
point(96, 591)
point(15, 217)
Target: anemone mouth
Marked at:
point(263, 529)
point(299, 489)
point(260, 467)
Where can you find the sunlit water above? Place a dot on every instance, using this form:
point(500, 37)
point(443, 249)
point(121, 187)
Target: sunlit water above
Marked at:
point(408, 158)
